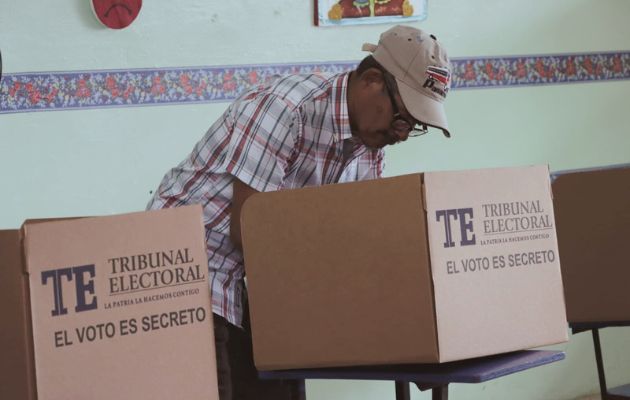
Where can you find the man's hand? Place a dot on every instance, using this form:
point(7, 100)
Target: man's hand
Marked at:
point(240, 193)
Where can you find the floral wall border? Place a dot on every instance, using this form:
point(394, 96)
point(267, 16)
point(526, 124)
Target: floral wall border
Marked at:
point(49, 91)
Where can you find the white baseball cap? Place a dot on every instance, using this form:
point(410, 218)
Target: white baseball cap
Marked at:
point(422, 71)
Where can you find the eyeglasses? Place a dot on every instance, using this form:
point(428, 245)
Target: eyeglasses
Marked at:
point(400, 124)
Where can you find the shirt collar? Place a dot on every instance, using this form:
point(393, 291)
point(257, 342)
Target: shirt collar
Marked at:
point(340, 116)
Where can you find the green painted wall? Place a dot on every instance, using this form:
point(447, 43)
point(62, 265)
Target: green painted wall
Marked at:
point(98, 162)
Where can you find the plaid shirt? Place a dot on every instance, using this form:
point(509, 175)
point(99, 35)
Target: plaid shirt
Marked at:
point(291, 134)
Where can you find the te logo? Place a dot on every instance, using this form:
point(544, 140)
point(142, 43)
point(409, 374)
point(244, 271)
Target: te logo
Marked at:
point(464, 216)
point(83, 288)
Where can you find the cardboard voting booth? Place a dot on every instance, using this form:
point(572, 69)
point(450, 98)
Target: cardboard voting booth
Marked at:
point(593, 222)
point(114, 307)
point(421, 268)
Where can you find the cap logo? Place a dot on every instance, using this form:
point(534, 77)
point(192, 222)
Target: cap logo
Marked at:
point(440, 74)
point(438, 79)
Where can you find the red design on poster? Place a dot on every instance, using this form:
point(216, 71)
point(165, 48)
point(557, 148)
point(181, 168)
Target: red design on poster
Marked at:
point(369, 8)
point(116, 14)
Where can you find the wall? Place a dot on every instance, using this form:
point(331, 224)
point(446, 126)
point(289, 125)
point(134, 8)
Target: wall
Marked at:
point(103, 158)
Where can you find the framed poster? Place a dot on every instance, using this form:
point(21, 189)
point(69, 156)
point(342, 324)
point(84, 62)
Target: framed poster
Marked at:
point(356, 12)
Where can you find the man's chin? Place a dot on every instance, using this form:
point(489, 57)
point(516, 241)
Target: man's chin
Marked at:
point(375, 142)
point(374, 146)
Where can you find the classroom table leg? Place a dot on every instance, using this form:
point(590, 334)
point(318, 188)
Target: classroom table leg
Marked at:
point(600, 364)
point(440, 393)
point(402, 390)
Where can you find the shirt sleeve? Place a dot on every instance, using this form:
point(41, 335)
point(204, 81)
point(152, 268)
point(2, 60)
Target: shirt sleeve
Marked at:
point(261, 140)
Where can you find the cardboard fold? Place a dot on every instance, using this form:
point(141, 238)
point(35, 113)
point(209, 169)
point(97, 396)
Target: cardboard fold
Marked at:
point(426, 233)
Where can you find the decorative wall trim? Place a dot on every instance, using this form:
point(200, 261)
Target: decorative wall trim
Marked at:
point(49, 91)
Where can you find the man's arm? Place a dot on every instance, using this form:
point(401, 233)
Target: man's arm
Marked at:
point(240, 193)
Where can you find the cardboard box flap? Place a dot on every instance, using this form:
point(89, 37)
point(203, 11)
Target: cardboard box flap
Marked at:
point(593, 217)
point(33, 221)
point(364, 281)
point(111, 299)
point(17, 371)
point(492, 239)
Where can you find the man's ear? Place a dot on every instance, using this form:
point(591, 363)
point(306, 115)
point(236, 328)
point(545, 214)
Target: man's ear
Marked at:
point(372, 77)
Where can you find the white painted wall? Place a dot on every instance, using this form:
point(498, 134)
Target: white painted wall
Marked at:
point(97, 162)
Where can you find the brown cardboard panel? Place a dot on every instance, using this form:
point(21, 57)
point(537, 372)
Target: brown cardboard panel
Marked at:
point(496, 270)
point(338, 275)
point(99, 335)
point(593, 223)
point(17, 380)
